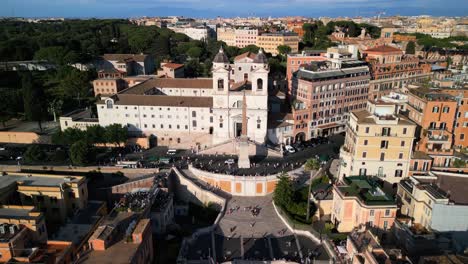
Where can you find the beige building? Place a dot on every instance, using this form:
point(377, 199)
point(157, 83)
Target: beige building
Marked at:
point(57, 196)
point(228, 35)
point(429, 200)
point(270, 42)
point(378, 142)
point(13, 216)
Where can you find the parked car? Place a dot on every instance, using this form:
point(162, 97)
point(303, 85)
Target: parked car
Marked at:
point(289, 149)
point(171, 152)
point(229, 161)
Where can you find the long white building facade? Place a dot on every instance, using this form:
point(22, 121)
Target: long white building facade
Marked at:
point(196, 111)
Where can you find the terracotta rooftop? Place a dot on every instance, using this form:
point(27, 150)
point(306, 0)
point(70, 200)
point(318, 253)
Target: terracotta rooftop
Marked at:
point(384, 49)
point(247, 54)
point(172, 65)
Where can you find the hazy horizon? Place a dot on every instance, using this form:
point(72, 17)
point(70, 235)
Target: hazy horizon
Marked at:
point(224, 8)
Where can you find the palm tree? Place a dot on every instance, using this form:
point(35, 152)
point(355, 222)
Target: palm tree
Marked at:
point(311, 165)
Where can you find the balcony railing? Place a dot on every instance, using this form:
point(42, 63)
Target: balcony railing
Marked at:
point(438, 138)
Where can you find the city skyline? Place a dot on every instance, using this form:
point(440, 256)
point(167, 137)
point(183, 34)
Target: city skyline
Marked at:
point(211, 8)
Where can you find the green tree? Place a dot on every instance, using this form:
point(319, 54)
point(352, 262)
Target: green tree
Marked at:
point(459, 163)
point(116, 134)
point(96, 134)
point(410, 48)
point(283, 50)
point(284, 191)
point(34, 153)
point(194, 52)
point(34, 100)
point(311, 165)
point(251, 48)
point(81, 153)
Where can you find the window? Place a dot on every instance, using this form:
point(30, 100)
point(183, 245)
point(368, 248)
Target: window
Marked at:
point(365, 142)
point(402, 143)
point(259, 84)
point(109, 104)
point(382, 156)
point(385, 131)
point(220, 125)
point(435, 109)
point(385, 225)
point(404, 131)
point(400, 155)
point(384, 144)
point(362, 172)
point(364, 154)
point(194, 123)
point(367, 130)
point(443, 125)
point(398, 173)
point(220, 84)
point(246, 76)
point(387, 212)
point(371, 213)
point(446, 109)
point(462, 136)
point(194, 114)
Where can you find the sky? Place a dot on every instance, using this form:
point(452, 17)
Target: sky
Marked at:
point(229, 8)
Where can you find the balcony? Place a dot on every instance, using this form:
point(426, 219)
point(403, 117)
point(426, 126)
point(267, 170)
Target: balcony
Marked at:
point(419, 109)
point(438, 138)
point(439, 151)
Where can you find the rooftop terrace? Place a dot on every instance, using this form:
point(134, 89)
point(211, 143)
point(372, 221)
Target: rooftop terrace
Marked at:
point(366, 189)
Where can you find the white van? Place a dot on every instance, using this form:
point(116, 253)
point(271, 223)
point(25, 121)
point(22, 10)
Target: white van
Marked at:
point(171, 152)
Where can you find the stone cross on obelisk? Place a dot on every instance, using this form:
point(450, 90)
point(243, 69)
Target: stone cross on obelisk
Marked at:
point(244, 161)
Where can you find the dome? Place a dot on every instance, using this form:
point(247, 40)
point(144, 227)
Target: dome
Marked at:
point(260, 57)
point(221, 57)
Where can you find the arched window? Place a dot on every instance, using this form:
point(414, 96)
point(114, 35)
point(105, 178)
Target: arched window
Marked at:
point(259, 84)
point(220, 84)
point(109, 104)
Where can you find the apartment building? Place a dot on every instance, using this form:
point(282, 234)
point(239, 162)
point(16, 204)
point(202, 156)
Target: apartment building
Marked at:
point(460, 133)
point(57, 196)
point(391, 69)
point(296, 27)
point(270, 41)
point(245, 37)
point(429, 200)
point(227, 35)
point(14, 216)
point(295, 61)
point(360, 201)
point(434, 112)
point(323, 96)
point(171, 70)
point(378, 142)
point(128, 64)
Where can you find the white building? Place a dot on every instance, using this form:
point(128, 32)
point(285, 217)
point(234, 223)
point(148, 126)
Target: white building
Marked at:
point(197, 33)
point(195, 111)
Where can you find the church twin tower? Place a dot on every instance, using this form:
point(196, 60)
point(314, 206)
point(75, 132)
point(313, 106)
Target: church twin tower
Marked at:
point(246, 79)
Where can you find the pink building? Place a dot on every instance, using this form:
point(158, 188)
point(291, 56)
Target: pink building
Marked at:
point(358, 201)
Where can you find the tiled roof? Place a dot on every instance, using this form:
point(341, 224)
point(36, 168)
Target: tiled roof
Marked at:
point(172, 65)
point(124, 57)
point(161, 100)
point(384, 48)
point(169, 83)
point(247, 54)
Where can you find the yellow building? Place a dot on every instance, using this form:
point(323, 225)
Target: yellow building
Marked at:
point(270, 42)
point(14, 216)
point(228, 35)
point(57, 196)
point(378, 142)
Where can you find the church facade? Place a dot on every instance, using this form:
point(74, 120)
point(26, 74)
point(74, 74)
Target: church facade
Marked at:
point(182, 112)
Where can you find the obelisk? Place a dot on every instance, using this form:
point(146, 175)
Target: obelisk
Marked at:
point(244, 161)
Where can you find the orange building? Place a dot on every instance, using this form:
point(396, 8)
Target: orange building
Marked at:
point(434, 112)
point(461, 124)
point(391, 69)
point(358, 201)
point(296, 26)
